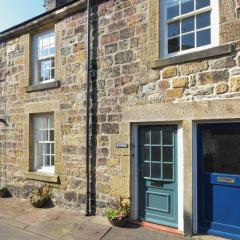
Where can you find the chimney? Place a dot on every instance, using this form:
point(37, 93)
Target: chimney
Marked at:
point(51, 4)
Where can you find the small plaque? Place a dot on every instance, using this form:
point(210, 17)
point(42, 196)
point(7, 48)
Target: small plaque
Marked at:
point(122, 145)
point(226, 180)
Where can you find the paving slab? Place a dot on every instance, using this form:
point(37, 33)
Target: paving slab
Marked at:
point(8, 232)
point(20, 221)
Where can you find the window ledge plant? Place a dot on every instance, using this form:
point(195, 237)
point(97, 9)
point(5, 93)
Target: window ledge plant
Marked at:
point(119, 212)
point(40, 196)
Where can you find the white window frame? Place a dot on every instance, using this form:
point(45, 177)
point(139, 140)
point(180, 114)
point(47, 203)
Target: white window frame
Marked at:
point(36, 59)
point(214, 8)
point(44, 168)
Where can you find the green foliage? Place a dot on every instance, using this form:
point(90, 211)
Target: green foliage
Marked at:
point(3, 189)
point(40, 194)
point(119, 210)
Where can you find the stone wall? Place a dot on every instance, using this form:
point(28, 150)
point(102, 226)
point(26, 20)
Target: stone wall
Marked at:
point(122, 79)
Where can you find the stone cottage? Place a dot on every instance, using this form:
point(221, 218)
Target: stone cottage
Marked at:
point(164, 109)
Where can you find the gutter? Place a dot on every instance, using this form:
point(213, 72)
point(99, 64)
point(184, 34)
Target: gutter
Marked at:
point(88, 108)
point(52, 16)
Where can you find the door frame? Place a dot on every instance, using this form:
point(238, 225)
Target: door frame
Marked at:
point(195, 170)
point(134, 168)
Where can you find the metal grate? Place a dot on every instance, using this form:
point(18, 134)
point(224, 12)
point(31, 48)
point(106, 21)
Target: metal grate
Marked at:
point(87, 231)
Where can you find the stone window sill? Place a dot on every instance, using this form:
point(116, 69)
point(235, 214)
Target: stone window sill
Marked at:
point(42, 87)
point(212, 52)
point(42, 177)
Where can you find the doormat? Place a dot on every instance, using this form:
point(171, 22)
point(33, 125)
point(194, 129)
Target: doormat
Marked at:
point(87, 231)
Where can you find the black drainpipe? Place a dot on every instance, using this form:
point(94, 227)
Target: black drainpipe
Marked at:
point(88, 108)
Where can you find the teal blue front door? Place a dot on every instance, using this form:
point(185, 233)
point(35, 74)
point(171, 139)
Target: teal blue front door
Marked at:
point(157, 168)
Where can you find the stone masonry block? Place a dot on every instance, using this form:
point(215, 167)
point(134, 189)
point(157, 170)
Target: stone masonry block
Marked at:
point(169, 72)
point(213, 77)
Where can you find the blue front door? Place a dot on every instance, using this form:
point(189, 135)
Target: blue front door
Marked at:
point(219, 179)
point(158, 174)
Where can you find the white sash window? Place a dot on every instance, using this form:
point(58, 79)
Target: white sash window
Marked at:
point(188, 25)
point(44, 57)
point(43, 143)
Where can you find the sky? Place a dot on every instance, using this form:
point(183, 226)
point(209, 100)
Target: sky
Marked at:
point(13, 12)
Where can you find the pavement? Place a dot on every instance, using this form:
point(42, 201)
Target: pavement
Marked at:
point(20, 221)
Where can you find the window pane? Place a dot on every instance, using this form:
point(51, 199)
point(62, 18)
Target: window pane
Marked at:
point(167, 137)
point(146, 153)
point(52, 148)
point(203, 38)
point(167, 154)
point(187, 24)
point(51, 135)
point(203, 20)
point(202, 3)
point(168, 171)
point(172, 8)
point(146, 169)
point(156, 170)
point(156, 136)
point(52, 73)
point(52, 162)
point(188, 41)
point(156, 154)
point(38, 155)
point(173, 29)
point(47, 159)
point(46, 148)
point(173, 45)
point(44, 134)
point(187, 6)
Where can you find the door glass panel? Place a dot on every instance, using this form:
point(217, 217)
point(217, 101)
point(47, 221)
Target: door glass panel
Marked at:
point(146, 169)
point(156, 154)
point(167, 171)
point(221, 152)
point(167, 154)
point(146, 153)
point(167, 137)
point(147, 137)
point(156, 170)
point(156, 137)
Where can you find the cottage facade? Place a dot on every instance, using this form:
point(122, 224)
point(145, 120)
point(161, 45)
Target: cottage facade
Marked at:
point(164, 115)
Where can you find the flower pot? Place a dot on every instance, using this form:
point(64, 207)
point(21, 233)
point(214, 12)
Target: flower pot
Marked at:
point(40, 202)
point(118, 223)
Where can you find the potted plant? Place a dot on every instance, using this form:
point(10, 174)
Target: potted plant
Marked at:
point(119, 212)
point(40, 196)
point(3, 191)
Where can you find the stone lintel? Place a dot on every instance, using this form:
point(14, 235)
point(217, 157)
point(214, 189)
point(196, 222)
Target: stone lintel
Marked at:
point(42, 177)
point(42, 107)
point(223, 109)
point(42, 87)
point(193, 56)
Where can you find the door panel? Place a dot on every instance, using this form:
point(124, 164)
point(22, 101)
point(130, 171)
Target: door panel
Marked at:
point(158, 174)
point(219, 179)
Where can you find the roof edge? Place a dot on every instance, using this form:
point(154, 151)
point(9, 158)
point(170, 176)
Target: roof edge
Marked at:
point(42, 19)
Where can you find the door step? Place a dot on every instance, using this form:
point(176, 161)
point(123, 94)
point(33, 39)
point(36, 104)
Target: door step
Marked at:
point(158, 227)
